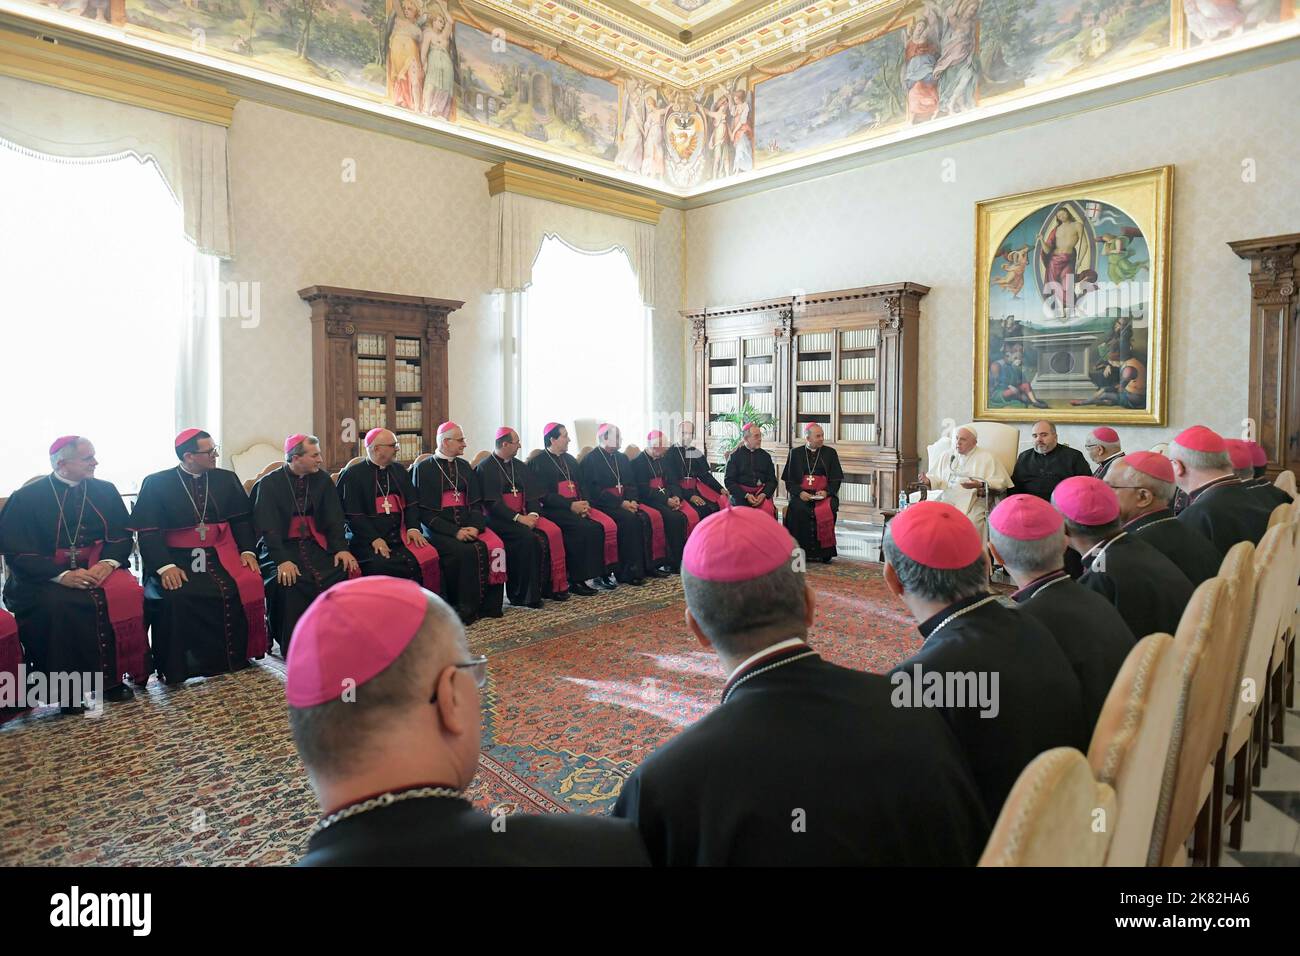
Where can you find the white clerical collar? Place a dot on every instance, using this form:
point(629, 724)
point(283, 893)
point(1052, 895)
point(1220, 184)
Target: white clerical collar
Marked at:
point(70, 484)
point(188, 472)
point(780, 646)
point(438, 454)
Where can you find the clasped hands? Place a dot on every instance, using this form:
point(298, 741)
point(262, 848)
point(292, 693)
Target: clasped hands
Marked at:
point(85, 578)
point(755, 500)
point(818, 496)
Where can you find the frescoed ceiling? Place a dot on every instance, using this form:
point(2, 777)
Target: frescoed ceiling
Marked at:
point(685, 96)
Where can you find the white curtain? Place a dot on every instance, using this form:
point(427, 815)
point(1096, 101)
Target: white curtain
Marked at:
point(521, 223)
point(190, 155)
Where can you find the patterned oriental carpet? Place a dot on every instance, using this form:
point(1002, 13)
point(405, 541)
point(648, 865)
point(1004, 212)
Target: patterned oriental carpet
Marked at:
point(577, 696)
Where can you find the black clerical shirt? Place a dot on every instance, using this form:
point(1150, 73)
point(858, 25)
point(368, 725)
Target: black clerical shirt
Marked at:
point(1039, 475)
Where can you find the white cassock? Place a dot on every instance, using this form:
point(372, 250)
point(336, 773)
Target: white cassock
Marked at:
point(954, 468)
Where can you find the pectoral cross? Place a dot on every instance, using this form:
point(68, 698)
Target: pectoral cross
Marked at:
point(202, 529)
point(620, 488)
point(570, 485)
point(809, 479)
point(388, 507)
point(72, 557)
point(455, 496)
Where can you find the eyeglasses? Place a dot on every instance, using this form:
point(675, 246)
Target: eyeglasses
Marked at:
point(214, 451)
point(477, 669)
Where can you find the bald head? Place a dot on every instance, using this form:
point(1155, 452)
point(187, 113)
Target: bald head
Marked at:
point(382, 448)
point(363, 730)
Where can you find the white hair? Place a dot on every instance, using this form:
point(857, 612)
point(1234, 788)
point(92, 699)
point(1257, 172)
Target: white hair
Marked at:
point(67, 451)
point(1200, 460)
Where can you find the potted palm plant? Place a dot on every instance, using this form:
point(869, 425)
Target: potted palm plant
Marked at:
point(748, 413)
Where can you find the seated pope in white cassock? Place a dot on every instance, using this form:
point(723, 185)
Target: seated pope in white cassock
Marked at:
point(964, 474)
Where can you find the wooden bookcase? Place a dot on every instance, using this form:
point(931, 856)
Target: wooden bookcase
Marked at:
point(847, 360)
point(378, 360)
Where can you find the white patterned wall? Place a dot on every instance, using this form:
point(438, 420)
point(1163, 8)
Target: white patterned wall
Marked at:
point(899, 220)
point(415, 221)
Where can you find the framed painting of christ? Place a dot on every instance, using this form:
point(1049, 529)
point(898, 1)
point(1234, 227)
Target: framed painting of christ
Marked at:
point(1072, 301)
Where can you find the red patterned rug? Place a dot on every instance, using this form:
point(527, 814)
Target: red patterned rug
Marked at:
point(577, 695)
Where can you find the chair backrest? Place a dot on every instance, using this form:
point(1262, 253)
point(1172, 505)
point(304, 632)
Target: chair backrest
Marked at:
point(1286, 481)
point(266, 470)
point(1198, 729)
point(246, 463)
point(1131, 743)
point(478, 459)
point(1280, 515)
point(631, 451)
point(533, 454)
point(1001, 440)
point(31, 481)
point(1160, 447)
point(419, 458)
point(935, 453)
point(1273, 605)
point(1050, 817)
point(586, 450)
point(1238, 569)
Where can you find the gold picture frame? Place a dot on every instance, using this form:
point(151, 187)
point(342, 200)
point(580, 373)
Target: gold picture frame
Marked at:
point(1072, 301)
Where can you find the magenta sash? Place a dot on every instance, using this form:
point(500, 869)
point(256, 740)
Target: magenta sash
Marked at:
point(767, 502)
point(658, 540)
point(426, 557)
point(125, 600)
point(569, 490)
point(249, 583)
point(495, 546)
point(822, 512)
point(554, 538)
point(692, 516)
point(718, 500)
point(454, 499)
point(304, 526)
point(11, 650)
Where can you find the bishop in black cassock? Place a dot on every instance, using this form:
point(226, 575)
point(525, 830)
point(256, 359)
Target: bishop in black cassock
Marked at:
point(751, 475)
point(1218, 505)
point(303, 549)
point(65, 539)
point(812, 477)
point(1146, 588)
point(590, 536)
point(688, 468)
point(204, 599)
point(607, 476)
point(656, 489)
point(474, 559)
point(1144, 484)
point(804, 762)
point(382, 513)
point(1037, 703)
point(535, 558)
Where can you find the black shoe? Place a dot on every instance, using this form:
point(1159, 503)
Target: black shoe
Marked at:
point(78, 709)
point(579, 588)
point(560, 596)
point(119, 693)
point(501, 612)
point(602, 584)
point(672, 569)
point(636, 582)
point(535, 605)
point(656, 573)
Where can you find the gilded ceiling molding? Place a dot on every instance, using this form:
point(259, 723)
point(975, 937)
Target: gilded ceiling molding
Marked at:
point(555, 187)
point(112, 78)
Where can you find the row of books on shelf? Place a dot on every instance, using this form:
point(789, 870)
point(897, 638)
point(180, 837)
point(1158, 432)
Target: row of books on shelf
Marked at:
point(411, 447)
point(370, 344)
point(816, 370)
point(372, 375)
point(722, 350)
point(858, 367)
point(407, 376)
point(816, 341)
point(721, 404)
point(760, 372)
point(864, 432)
point(858, 403)
point(372, 413)
point(407, 348)
point(859, 338)
point(814, 403)
point(859, 492)
point(762, 401)
point(723, 375)
point(760, 345)
point(409, 416)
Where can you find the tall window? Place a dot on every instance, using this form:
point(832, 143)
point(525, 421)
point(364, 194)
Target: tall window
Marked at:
point(584, 344)
point(99, 285)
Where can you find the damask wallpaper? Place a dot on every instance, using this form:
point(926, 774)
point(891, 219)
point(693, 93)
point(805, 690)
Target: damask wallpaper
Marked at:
point(913, 219)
